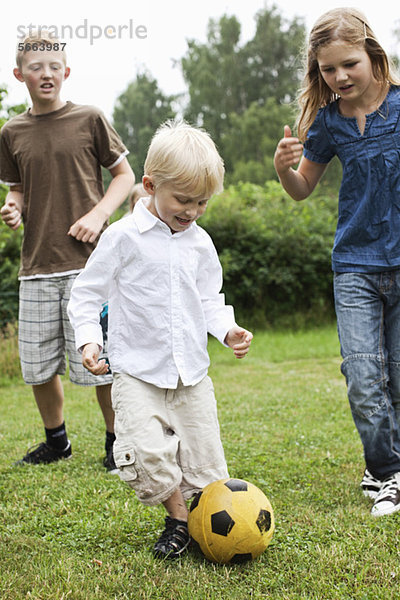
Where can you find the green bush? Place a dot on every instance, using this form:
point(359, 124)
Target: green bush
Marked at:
point(10, 244)
point(9, 356)
point(275, 253)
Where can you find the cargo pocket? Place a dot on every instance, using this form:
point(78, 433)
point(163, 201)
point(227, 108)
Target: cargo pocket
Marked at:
point(125, 460)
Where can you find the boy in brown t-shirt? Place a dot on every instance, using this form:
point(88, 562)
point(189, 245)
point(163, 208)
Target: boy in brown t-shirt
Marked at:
point(51, 158)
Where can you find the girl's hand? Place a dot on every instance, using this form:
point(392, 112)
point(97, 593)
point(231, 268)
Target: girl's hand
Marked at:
point(239, 340)
point(288, 152)
point(90, 360)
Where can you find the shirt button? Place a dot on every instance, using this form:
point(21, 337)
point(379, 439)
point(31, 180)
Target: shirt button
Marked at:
point(127, 456)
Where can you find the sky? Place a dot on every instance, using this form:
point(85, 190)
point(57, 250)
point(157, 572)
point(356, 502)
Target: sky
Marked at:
point(108, 43)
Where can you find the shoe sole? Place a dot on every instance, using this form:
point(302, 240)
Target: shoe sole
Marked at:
point(383, 513)
point(35, 464)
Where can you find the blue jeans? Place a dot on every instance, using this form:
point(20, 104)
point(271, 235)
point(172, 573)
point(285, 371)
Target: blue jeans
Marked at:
point(368, 315)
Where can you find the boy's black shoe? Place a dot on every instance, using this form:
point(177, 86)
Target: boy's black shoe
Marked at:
point(44, 454)
point(370, 485)
point(109, 462)
point(174, 539)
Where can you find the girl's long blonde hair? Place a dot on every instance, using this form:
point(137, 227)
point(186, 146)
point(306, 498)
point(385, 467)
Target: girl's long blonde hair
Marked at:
point(350, 26)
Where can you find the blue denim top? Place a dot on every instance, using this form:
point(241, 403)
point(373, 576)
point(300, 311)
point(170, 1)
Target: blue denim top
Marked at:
point(367, 237)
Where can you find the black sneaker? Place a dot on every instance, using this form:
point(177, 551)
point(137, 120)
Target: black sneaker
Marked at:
point(388, 499)
point(109, 462)
point(174, 539)
point(370, 485)
point(44, 454)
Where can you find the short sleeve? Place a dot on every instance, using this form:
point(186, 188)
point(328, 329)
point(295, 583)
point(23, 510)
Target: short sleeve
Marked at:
point(9, 172)
point(109, 147)
point(317, 146)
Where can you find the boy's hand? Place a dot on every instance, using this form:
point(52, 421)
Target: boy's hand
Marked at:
point(239, 340)
point(90, 360)
point(288, 151)
point(88, 227)
point(11, 214)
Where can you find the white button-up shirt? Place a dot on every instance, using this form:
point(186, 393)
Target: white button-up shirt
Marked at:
point(163, 291)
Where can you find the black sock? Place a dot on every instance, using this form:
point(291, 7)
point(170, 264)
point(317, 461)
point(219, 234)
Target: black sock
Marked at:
point(110, 439)
point(57, 437)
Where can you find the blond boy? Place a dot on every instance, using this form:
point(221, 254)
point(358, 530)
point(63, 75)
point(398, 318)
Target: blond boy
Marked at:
point(162, 276)
point(51, 158)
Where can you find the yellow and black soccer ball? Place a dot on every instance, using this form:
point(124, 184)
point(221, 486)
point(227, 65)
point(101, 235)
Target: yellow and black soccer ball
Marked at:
point(231, 520)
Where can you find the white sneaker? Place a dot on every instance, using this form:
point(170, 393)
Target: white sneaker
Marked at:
point(370, 485)
point(388, 499)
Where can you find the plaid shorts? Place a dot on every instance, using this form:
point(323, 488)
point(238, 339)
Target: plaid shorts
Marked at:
point(46, 335)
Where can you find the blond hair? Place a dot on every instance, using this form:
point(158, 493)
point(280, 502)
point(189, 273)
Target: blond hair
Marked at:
point(41, 36)
point(137, 192)
point(352, 27)
point(186, 157)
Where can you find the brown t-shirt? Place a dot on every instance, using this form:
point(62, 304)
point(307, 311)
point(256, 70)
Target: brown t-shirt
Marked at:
point(57, 157)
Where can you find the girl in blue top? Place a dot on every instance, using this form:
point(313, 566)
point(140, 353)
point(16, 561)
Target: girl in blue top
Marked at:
point(350, 108)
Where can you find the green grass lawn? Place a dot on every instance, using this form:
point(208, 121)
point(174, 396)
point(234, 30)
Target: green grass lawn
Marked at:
point(71, 531)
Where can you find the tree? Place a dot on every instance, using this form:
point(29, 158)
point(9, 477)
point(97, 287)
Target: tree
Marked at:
point(224, 78)
point(7, 112)
point(272, 58)
point(242, 94)
point(213, 73)
point(137, 114)
point(10, 241)
point(250, 142)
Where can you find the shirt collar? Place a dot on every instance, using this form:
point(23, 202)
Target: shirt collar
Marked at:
point(145, 220)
